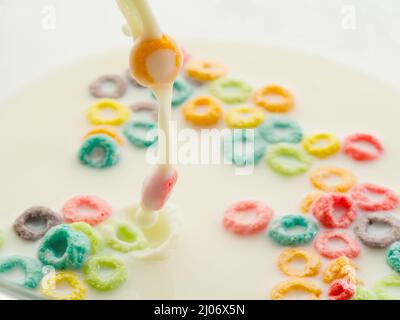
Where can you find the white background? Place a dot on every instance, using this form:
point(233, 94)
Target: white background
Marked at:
point(86, 27)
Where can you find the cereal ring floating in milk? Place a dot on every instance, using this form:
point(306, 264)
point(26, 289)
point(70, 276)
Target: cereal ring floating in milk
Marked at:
point(32, 270)
point(205, 70)
point(282, 150)
point(230, 90)
point(272, 130)
point(49, 218)
point(294, 284)
point(263, 213)
point(330, 148)
point(321, 244)
point(313, 263)
point(358, 153)
point(211, 115)
point(95, 117)
point(133, 131)
point(49, 286)
point(309, 200)
point(181, 92)
point(89, 157)
point(320, 176)
point(146, 106)
point(98, 90)
point(393, 256)
point(104, 130)
point(100, 210)
point(363, 294)
point(341, 289)
point(390, 200)
point(244, 117)
point(341, 268)
point(97, 242)
point(262, 98)
point(381, 287)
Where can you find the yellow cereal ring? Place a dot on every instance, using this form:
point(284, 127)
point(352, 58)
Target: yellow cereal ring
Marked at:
point(108, 131)
point(212, 114)
point(319, 176)
point(313, 263)
point(205, 70)
point(94, 115)
point(50, 282)
point(244, 117)
point(341, 268)
point(260, 98)
point(283, 288)
point(309, 200)
point(332, 147)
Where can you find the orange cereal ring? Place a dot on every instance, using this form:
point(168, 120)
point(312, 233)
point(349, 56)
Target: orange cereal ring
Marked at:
point(260, 98)
point(212, 114)
point(308, 201)
point(283, 288)
point(313, 263)
point(108, 131)
point(318, 179)
point(205, 70)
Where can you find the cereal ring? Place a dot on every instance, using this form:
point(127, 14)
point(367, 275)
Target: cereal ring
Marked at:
point(272, 129)
point(49, 218)
point(89, 157)
point(97, 89)
point(64, 248)
point(100, 210)
point(243, 147)
point(91, 272)
point(264, 214)
point(104, 130)
point(341, 289)
point(321, 244)
point(96, 240)
point(309, 200)
point(230, 90)
point(350, 148)
point(393, 256)
point(32, 270)
point(378, 241)
point(363, 294)
point(275, 162)
point(244, 117)
point(132, 80)
point(311, 145)
point(133, 131)
point(205, 70)
point(147, 106)
point(381, 286)
point(49, 285)
point(212, 114)
point(94, 115)
point(359, 195)
point(280, 290)
point(181, 92)
point(325, 206)
point(313, 264)
point(260, 98)
point(341, 268)
point(320, 175)
point(123, 236)
point(279, 230)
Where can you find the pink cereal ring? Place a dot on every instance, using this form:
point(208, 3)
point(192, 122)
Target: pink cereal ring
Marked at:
point(341, 289)
point(321, 244)
point(325, 206)
point(264, 214)
point(100, 210)
point(351, 149)
point(361, 199)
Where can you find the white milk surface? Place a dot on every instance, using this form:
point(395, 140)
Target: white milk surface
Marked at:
point(41, 132)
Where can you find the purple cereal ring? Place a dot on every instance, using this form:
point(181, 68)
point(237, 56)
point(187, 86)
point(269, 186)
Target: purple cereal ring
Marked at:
point(361, 230)
point(97, 87)
point(148, 106)
point(49, 217)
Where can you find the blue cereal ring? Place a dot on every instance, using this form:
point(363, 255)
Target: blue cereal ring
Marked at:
point(109, 147)
point(271, 130)
point(279, 230)
point(393, 256)
point(182, 91)
point(139, 139)
point(236, 144)
point(64, 248)
point(31, 268)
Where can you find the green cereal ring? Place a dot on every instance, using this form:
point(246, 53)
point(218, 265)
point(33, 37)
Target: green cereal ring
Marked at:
point(272, 129)
point(64, 248)
point(274, 159)
point(393, 256)
point(92, 275)
point(107, 145)
point(244, 147)
point(363, 294)
point(182, 92)
point(123, 236)
point(97, 242)
point(279, 230)
point(230, 90)
point(31, 268)
point(141, 139)
point(381, 286)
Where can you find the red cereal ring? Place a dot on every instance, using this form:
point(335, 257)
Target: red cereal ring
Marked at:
point(321, 244)
point(325, 206)
point(361, 199)
point(264, 214)
point(341, 289)
point(350, 148)
point(100, 210)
